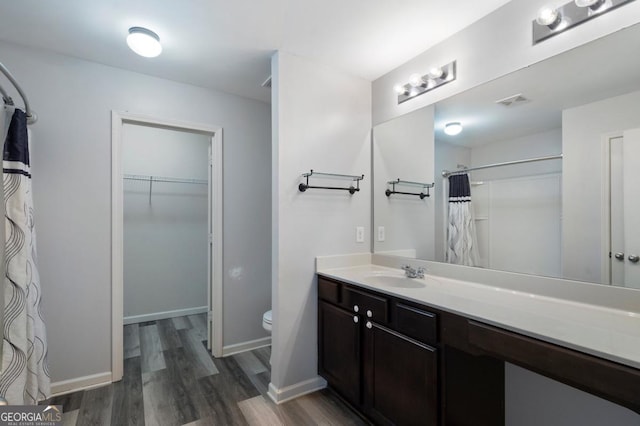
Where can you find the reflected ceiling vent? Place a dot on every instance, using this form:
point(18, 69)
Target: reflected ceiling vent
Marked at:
point(514, 100)
point(267, 83)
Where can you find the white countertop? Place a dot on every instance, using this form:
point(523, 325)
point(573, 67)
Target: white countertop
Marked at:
point(604, 332)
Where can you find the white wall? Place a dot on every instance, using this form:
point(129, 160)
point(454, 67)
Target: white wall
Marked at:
point(403, 149)
point(583, 131)
point(72, 196)
point(321, 121)
point(165, 224)
point(496, 45)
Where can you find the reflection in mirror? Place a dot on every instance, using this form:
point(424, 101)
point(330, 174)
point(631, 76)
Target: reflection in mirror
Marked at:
point(559, 218)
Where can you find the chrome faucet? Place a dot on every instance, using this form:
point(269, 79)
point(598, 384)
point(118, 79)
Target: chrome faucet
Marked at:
point(411, 272)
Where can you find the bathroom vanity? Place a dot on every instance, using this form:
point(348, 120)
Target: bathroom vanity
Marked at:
point(431, 351)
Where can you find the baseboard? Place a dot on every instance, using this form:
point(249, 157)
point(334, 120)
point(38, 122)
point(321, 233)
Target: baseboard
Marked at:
point(164, 315)
point(80, 383)
point(294, 391)
point(246, 346)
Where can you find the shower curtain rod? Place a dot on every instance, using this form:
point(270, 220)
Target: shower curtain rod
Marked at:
point(446, 173)
point(31, 116)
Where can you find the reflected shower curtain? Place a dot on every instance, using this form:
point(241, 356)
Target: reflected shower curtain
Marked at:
point(462, 245)
point(24, 378)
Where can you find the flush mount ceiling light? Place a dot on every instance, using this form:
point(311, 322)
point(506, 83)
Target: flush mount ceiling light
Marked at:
point(419, 84)
point(453, 128)
point(144, 42)
point(551, 21)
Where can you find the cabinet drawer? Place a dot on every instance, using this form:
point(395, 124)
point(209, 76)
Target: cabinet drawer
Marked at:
point(416, 323)
point(328, 290)
point(379, 306)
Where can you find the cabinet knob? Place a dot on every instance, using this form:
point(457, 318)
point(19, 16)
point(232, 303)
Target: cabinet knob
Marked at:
point(619, 256)
point(355, 319)
point(369, 325)
point(369, 314)
point(356, 308)
point(634, 258)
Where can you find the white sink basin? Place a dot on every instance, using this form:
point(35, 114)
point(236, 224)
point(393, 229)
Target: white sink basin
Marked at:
point(389, 279)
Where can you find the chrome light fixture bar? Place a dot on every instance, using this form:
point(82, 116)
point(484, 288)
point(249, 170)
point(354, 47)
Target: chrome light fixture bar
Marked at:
point(550, 21)
point(420, 84)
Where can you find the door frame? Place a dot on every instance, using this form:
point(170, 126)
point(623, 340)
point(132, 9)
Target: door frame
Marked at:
point(215, 287)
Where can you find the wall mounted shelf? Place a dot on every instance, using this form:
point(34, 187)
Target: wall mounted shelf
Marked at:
point(400, 182)
point(353, 178)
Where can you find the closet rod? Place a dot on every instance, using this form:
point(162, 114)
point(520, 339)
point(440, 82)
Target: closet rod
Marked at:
point(31, 116)
point(164, 179)
point(446, 173)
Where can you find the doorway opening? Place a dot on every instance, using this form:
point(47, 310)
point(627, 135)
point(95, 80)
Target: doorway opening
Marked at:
point(166, 234)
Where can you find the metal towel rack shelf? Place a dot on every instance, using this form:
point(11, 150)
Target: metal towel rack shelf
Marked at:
point(398, 181)
point(353, 178)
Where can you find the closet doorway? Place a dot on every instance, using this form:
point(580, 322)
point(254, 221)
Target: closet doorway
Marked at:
point(166, 228)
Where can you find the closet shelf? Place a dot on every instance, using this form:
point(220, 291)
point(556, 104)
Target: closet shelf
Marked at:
point(163, 179)
point(401, 182)
point(353, 178)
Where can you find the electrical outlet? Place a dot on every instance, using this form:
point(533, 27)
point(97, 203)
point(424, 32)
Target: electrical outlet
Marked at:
point(380, 233)
point(359, 234)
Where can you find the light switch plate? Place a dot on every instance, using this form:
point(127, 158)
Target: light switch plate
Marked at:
point(359, 234)
point(381, 233)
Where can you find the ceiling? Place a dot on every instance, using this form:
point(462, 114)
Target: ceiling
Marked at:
point(604, 68)
point(227, 44)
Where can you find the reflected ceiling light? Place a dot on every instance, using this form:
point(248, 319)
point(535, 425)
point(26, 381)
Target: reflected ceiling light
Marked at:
point(453, 128)
point(419, 84)
point(554, 20)
point(144, 42)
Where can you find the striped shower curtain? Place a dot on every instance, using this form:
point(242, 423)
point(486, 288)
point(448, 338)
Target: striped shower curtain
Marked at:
point(24, 378)
point(462, 244)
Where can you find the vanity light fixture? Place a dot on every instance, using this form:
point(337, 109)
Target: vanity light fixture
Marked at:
point(144, 42)
point(453, 128)
point(419, 84)
point(551, 21)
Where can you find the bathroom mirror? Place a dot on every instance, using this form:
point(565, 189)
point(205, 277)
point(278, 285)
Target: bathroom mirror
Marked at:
point(555, 217)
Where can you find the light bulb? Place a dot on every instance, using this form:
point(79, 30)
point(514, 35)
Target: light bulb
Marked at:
point(453, 128)
point(416, 80)
point(400, 89)
point(436, 72)
point(144, 42)
point(549, 17)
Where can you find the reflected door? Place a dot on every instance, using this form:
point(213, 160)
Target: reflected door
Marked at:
point(631, 192)
point(624, 154)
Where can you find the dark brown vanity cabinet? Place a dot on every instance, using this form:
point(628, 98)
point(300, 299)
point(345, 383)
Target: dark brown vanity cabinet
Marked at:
point(379, 355)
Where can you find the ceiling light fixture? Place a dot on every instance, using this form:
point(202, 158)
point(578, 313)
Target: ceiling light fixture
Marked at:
point(419, 84)
point(554, 20)
point(144, 42)
point(453, 128)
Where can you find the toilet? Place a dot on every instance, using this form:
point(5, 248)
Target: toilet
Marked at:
point(266, 321)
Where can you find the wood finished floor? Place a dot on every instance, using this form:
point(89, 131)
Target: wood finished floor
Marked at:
point(171, 379)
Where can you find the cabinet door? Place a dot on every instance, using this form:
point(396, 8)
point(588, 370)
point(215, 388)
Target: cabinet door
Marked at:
point(401, 378)
point(339, 350)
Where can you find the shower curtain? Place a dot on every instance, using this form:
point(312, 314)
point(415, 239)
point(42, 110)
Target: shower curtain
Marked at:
point(24, 377)
point(462, 245)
